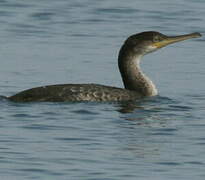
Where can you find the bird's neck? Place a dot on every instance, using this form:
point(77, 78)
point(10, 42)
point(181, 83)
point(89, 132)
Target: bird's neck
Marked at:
point(133, 78)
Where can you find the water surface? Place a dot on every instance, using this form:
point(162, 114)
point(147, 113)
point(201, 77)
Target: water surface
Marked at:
point(52, 42)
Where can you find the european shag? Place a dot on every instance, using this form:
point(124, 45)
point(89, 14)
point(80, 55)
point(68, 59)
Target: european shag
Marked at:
point(136, 84)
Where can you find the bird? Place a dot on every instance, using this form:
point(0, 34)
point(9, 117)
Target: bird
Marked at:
point(136, 84)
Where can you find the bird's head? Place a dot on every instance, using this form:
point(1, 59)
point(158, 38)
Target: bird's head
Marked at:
point(150, 41)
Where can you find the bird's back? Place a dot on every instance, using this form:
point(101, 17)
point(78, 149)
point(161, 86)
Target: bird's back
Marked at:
point(74, 93)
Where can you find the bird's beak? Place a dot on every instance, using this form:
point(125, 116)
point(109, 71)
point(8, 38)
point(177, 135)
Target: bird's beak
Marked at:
point(173, 39)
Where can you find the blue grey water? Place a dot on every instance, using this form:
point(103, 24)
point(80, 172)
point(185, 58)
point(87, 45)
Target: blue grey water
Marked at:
point(52, 42)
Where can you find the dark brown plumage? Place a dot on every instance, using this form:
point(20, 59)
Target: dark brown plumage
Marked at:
point(137, 85)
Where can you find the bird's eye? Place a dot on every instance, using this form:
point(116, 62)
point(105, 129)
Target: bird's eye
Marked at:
point(156, 39)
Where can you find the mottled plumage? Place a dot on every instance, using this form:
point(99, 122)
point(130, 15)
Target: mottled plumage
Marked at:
point(75, 92)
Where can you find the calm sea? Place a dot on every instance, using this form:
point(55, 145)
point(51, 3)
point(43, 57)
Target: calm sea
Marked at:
point(52, 42)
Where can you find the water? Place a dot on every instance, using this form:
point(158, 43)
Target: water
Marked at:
point(52, 42)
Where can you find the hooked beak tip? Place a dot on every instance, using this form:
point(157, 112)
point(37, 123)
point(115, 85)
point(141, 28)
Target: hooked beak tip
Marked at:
point(196, 34)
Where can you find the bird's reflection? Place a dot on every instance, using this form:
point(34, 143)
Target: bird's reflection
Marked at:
point(129, 107)
point(152, 112)
point(154, 104)
point(140, 105)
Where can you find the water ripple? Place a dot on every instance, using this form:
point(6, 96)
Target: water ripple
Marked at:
point(51, 42)
point(42, 127)
point(42, 16)
point(82, 111)
point(169, 163)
